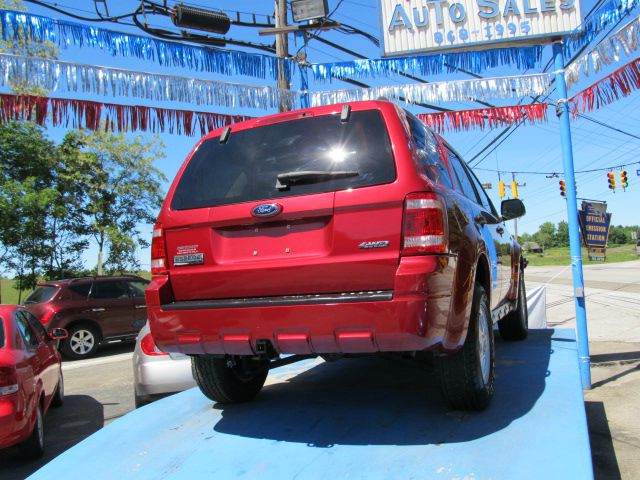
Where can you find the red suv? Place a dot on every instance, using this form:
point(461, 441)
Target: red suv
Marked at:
point(337, 230)
point(92, 309)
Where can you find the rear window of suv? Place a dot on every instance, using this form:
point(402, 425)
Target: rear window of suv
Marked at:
point(42, 294)
point(246, 167)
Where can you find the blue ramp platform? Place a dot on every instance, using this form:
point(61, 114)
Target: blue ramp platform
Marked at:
point(367, 418)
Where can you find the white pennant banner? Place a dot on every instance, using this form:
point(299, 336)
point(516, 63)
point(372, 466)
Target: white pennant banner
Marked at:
point(57, 75)
point(626, 41)
point(452, 91)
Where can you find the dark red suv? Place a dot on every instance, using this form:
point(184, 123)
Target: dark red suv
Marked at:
point(92, 309)
point(338, 230)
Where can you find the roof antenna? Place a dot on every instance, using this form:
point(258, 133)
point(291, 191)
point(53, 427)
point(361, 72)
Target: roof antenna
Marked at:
point(345, 113)
point(224, 136)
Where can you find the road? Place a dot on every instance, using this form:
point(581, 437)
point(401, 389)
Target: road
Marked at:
point(612, 299)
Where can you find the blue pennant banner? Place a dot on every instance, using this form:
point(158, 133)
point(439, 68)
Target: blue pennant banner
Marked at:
point(525, 57)
point(609, 13)
point(434, 64)
point(204, 59)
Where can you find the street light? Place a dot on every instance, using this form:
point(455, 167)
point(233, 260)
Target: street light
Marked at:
point(304, 10)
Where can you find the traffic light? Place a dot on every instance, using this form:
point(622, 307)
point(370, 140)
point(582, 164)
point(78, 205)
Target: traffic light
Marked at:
point(514, 189)
point(612, 181)
point(624, 181)
point(501, 193)
point(563, 188)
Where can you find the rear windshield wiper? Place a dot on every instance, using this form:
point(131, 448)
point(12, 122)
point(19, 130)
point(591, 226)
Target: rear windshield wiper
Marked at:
point(310, 176)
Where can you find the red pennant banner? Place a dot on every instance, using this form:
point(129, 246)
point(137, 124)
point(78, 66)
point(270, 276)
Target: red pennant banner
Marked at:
point(485, 117)
point(611, 88)
point(122, 118)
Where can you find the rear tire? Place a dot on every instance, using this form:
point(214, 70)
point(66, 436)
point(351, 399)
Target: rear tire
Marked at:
point(140, 401)
point(82, 342)
point(229, 379)
point(33, 447)
point(515, 325)
point(467, 377)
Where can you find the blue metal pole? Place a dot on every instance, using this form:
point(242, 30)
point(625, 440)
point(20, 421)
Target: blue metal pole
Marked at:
point(572, 212)
point(304, 87)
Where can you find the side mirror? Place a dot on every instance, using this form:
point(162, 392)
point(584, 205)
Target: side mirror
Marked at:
point(512, 208)
point(58, 334)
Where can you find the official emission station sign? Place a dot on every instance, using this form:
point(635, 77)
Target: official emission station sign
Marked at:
point(413, 26)
point(594, 225)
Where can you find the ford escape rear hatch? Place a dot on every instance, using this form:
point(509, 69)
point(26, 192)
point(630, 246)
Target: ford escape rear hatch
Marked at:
point(287, 209)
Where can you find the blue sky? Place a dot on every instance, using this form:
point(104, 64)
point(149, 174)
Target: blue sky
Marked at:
point(529, 148)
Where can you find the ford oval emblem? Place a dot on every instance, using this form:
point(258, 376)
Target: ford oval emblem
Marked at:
point(266, 210)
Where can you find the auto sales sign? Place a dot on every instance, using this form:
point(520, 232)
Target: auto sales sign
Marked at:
point(413, 26)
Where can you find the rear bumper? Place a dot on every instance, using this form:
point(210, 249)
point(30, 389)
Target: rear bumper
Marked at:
point(412, 317)
point(161, 376)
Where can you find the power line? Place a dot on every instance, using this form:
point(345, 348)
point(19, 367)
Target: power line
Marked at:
point(604, 169)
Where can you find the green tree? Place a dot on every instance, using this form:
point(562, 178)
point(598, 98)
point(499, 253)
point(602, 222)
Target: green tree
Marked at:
point(562, 235)
point(43, 224)
point(27, 195)
point(619, 235)
point(546, 235)
point(121, 190)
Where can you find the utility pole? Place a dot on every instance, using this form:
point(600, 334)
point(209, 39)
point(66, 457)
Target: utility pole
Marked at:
point(572, 216)
point(282, 52)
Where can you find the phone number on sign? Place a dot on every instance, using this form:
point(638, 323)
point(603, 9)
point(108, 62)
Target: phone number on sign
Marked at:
point(488, 32)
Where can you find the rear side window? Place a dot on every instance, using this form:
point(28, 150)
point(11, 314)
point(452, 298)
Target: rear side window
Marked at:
point(109, 290)
point(2, 335)
point(137, 288)
point(41, 294)
point(35, 324)
point(246, 167)
point(80, 290)
point(484, 198)
point(429, 161)
point(28, 334)
point(463, 183)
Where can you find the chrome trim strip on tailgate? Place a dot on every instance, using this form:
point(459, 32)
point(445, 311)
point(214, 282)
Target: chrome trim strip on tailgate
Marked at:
point(350, 297)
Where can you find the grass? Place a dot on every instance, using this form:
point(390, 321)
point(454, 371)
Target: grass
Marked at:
point(10, 294)
point(561, 256)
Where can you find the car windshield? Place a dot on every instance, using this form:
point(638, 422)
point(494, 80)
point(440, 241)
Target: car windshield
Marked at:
point(41, 294)
point(299, 157)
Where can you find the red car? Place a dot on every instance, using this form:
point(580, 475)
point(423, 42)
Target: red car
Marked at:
point(335, 230)
point(30, 379)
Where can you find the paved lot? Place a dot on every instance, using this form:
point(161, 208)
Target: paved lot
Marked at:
point(97, 391)
point(100, 390)
point(613, 317)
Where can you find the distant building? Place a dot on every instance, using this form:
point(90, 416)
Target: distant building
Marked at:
point(532, 247)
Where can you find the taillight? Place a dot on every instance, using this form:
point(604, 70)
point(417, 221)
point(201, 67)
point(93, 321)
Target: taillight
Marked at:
point(48, 315)
point(149, 347)
point(158, 251)
point(8, 381)
point(424, 228)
